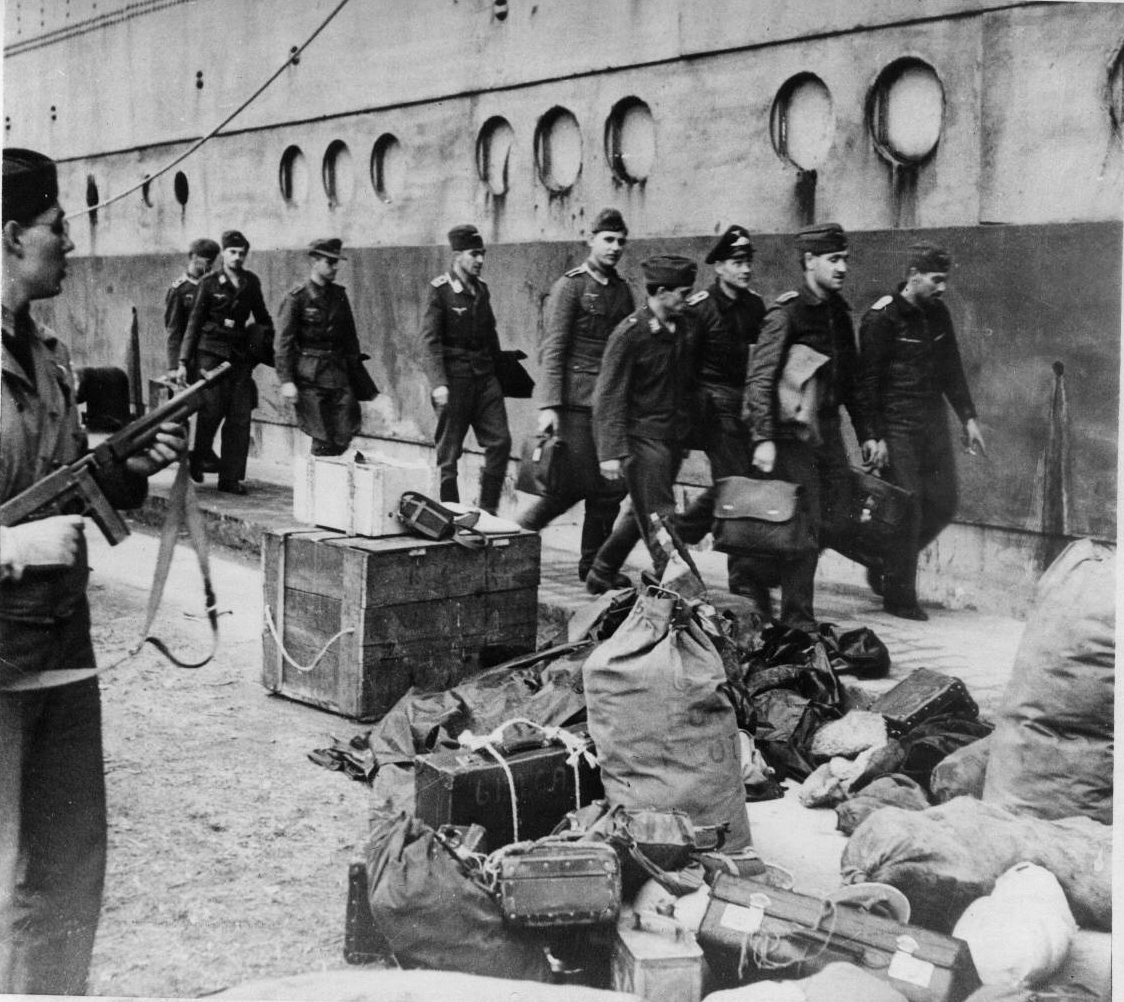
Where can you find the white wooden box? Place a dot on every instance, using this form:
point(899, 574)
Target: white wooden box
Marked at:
point(357, 497)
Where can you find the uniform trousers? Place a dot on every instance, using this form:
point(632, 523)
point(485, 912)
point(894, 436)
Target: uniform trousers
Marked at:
point(650, 470)
point(230, 403)
point(822, 471)
point(475, 402)
point(602, 497)
point(52, 837)
point(327, 410)
point(922, 461)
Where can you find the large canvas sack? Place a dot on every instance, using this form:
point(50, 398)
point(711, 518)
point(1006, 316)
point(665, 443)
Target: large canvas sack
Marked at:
point(434, 916)
point(944, 858)
point(1051, 753)
point(665, 734)
point(961, 774)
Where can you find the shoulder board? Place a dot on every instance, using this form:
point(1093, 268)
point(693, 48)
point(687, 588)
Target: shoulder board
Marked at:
point(882, 303)
point(575, 272)
point(296, 288)
point(632, 319)
point(787, 297)
point(698, 297)
point(439, 281)
point(179, 281)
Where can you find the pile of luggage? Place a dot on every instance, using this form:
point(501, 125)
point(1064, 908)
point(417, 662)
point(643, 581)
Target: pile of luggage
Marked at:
point(578, 815)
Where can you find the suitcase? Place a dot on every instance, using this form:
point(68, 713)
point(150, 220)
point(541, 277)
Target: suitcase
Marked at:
point(656, 958)
point(921, 695)
point(365, 619)
point(753, 931)
point(456, 786)
point(557, 883)
point(872, 521)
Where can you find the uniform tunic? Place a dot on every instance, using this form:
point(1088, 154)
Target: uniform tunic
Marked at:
point(178, 301)
point(585, 306)
point(316, 340)
point(216, 332)
point(459, 345)
point(820, 468)
point(909, 365)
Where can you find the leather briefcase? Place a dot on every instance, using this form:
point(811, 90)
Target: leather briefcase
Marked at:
point(542, 465)
point(763, 517)
point(922, 695)
point(871, 522)
point(753, 931)
point(556, 883)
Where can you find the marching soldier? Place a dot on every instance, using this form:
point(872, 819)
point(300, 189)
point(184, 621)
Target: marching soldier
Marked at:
point(728, 315)
point(218, 332)
point(460, 343)
point(641, 410)
point(811, 455)
point(181, 295)
point(585, 305)
point(909, 364)
point(316, 345)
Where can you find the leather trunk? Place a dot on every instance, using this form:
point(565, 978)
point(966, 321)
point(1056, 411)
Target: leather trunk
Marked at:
point(921, 695)
point(556, 883)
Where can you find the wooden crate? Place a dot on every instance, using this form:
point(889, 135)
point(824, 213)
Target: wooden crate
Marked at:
point(657, 959)
point(419, 613)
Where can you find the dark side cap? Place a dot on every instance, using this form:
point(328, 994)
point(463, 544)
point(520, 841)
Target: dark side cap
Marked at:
point(30, 186)
point(234, 238)
point(928, 257)
point(204, 247)
point(823, 238)
point(465, 237)
point(330, 247)
point(734, 243)
point(669, 270)
point(610, 220)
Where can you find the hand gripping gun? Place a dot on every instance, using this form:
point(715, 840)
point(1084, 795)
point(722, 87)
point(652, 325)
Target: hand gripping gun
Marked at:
point(74, 489)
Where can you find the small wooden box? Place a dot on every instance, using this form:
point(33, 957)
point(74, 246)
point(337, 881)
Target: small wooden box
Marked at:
point(359, 498)
point(403, 612)
point(656, 958)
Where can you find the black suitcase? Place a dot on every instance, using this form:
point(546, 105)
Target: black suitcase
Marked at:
point(921, 695)
point(870, 522)
point(461, 787)
point(752, 931)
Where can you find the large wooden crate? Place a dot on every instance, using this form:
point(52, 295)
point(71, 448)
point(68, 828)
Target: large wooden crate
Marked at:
point(418, 612)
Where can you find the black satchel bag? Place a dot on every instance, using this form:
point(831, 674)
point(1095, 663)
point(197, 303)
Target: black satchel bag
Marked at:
point(871, 522)
point(259, 344)
point(362, 385)
point(542, 465)
point(764, 517)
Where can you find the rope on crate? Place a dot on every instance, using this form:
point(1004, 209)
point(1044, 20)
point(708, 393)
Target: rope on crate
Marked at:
point(285, 654)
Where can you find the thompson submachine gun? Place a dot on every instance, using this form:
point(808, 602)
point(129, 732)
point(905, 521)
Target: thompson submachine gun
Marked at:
point(74, 489)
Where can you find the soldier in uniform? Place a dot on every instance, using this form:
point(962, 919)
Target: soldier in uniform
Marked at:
point(316, 345)
point(181, 295)
point(909, 363)
point(217, 332)
point(641, 410)
point(460, 345)
point(728, 316)
point(52, 781)
point(818, 317)
point(585, 305)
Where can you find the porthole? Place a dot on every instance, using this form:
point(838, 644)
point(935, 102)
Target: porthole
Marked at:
point(180, 187)
point(630, 140)
point(906, 111)
point(339, 180)
point(92, 198)
point(146, 190)
point(388, 167)
point(493, 154)
point(802, 121)
point(1116, 93)
point(293, 176)
point(558, 149)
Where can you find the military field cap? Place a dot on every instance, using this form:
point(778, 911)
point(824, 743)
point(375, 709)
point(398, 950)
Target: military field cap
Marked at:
point(31, 184)
point(734, 243)
point(204, 247)
point(823, 238)
point(926, 257)
point(669, 270)
point(234, 238)
point(465, 237)
point(332, 248)
point(609, 219)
